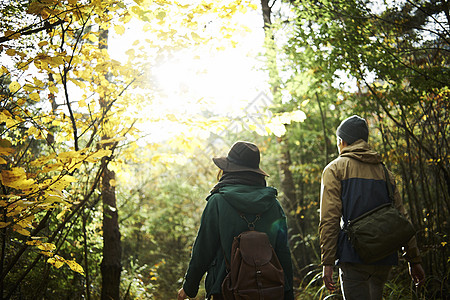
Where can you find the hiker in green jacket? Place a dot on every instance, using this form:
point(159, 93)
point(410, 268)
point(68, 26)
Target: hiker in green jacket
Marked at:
point(241, 189)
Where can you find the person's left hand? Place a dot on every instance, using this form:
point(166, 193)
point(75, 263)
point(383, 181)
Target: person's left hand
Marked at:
point(182, 294)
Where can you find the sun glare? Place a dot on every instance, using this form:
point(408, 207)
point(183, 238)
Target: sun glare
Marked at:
point(221, 83)
point(202, 81)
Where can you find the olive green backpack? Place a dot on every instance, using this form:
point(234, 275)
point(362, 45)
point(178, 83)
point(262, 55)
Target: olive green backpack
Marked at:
point(380, 231)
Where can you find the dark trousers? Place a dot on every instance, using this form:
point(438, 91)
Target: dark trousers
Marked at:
point(217, 297)
point(363, 281)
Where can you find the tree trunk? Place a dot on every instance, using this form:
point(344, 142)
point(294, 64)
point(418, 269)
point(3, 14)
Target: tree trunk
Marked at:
point(267, 11)
point(112, 250)
point(324, 129)
point(86, 262)
point(287, 180)
point(3, 254)
point(288, 189)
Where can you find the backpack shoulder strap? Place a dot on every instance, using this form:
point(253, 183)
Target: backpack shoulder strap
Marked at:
point(251, 225)
point(388, 183)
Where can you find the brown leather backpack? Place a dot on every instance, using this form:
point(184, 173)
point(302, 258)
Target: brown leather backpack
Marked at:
point(255, 273)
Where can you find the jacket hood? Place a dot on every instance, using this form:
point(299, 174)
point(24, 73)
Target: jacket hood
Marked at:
point(361, 151)
point(249, 199)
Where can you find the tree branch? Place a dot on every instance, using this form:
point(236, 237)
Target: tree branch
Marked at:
point(408, 131)
point(24, 31)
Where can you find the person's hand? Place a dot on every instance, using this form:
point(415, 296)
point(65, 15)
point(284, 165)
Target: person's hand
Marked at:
point(417, 274)
point(182, 294)
point(327, 276)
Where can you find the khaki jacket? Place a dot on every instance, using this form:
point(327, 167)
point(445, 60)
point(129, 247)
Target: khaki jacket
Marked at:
point(353, 184)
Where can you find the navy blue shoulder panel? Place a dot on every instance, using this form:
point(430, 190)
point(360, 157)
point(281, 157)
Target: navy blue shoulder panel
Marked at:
point(359, 196)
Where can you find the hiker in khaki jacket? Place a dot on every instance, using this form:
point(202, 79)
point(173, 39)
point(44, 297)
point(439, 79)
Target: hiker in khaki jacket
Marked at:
point(351, 185)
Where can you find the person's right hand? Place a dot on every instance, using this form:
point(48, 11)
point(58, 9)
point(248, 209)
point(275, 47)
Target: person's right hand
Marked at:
point(327, 276)
point(417, 274)
point(181, 294)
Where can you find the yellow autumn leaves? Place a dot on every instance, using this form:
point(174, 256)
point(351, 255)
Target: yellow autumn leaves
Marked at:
point(14, 87)
point(71, 76)
point(5, 150)
point(16, 179)
point(58, 261)
point(55, 260)
point(31, 195)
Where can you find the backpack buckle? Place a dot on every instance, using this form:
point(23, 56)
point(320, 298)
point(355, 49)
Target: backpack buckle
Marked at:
point(251, 225)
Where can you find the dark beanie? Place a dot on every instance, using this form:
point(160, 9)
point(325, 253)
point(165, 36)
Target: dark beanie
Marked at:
point(353, 129)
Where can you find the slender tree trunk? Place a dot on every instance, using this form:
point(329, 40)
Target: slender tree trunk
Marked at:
point(86, 262)
point(324, 129)
point(287, 181)
point(112, 251)
point(288, 189)
point(111, 266)
point(2, 257)
point(291, 203)
point(267, 11)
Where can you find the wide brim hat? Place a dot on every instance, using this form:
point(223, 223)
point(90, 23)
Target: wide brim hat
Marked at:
point(242, 157)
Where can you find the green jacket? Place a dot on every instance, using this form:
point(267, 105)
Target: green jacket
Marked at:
point(221, 222)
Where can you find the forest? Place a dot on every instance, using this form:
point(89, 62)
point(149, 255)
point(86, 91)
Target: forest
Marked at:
point(107, 139)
